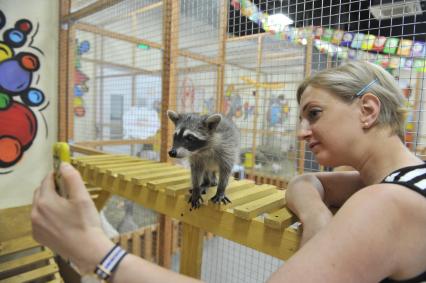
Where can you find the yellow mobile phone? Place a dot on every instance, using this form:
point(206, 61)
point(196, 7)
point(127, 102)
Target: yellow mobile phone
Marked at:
point(61, 152)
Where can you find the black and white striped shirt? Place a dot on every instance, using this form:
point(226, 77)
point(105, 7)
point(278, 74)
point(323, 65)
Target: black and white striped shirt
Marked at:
point(414, 178)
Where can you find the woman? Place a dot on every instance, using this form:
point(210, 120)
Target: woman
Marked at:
point(348, 116)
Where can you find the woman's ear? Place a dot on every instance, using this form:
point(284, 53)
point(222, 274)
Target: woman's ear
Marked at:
point(370, 109)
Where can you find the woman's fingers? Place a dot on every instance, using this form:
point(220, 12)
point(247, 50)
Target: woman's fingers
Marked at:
point(73, 183)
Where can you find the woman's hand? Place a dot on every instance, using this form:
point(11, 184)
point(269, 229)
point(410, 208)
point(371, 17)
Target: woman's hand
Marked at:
point(304, 196)
point(71, 227)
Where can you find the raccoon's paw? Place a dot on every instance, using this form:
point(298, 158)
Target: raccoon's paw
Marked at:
point(220, 198)
point(195, 201)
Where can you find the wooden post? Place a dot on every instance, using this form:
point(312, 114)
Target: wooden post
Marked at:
point(308, 69)
point(256, 105)
point(63, 62)
point(70, 92)
point(192, 250)
point(221, 57)
point(170, 58)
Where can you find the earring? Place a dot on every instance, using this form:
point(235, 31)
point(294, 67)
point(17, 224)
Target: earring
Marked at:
point(366, 125)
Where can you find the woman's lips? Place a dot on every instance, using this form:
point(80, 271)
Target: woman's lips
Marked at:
point(313, 144)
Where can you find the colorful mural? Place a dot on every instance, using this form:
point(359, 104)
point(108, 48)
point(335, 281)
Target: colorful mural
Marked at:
point(80, 80)
point(18, 123)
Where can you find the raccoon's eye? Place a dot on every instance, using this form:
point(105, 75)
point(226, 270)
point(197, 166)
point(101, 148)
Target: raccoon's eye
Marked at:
point(190, 138)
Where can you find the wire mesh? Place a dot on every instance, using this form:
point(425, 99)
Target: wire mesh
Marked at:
point(230, 58)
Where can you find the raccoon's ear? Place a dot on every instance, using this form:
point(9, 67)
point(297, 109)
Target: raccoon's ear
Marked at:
point(173, 116)
point(212, 121)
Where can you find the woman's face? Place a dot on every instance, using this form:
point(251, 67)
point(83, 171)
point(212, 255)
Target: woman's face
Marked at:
point(328, 125)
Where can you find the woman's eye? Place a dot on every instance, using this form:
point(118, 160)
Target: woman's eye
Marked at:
point(314, 113)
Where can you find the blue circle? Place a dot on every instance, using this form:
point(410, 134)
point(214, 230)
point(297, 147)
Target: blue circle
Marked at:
point(35, 96)
point(16, 36)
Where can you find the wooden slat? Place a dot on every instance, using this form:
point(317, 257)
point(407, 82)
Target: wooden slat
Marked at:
point(192, 244)
point(163, 175)
point(124, 241)
point(33, 274)
point(175, 190)
point(147, 243)
point(25, 260)
point(18, 244)
point(254, 208)
point(136, 243)
point(162, 183)
point(279, 219)
point(249, 195)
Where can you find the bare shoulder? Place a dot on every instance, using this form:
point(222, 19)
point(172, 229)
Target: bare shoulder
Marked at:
point(370, 227)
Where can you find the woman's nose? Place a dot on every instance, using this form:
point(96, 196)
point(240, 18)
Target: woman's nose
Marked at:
point(304, 130)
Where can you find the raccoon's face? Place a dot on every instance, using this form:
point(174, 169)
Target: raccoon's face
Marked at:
point(186, 142)
point(192, 133)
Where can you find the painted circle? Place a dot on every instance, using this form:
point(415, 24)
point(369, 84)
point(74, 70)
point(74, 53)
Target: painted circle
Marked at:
point(30, 62)
point(24, 25)
point(16, 36)
point(5, 52)
point(10, 150)
point(34, 97)
point(4, 101)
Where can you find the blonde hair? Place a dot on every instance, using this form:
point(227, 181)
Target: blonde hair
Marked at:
point(346, 80)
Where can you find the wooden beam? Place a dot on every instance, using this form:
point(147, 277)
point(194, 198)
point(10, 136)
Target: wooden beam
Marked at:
point(63, 73)
point(136, 40)
point(134, 70)
point(221, 56)
point(89, 10)
point(169, 89)
point(192, 251)
point(132, 13)
point(117, 142)
point(85, 150)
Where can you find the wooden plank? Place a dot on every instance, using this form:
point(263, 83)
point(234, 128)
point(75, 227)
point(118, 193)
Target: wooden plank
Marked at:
point(280, 218)
point(18, 244)
point(102, 199)
point(85, 150)
point(33, 274)
point(124, 241)
point(136, 243)
point(25, 260)
point(254, 208)
point(159, 177)
point(93, 8)
point(164, 182)
point(253, 234)
point(175, 236)
point(15, 222)
point(192, 251)
point(147, 244)
point(175, 190)
point(63, 62)
point(246, 196)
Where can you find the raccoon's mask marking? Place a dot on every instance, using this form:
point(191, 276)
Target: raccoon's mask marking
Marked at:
point(188, 139)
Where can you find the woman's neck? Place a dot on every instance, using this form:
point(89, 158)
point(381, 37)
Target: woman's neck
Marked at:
point(379, 160)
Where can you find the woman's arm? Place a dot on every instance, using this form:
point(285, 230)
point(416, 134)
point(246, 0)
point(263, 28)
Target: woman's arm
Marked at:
point(310, 195)
point(71, 227)
point(362, 243)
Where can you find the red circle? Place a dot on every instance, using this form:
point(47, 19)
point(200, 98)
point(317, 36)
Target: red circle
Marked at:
point(30, 62)
point(10, 149)
point(25, 26)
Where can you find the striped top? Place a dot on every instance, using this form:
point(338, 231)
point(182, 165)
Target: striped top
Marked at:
point(414, 178)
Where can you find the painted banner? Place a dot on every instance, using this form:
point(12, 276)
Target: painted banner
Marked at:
point(28, 96)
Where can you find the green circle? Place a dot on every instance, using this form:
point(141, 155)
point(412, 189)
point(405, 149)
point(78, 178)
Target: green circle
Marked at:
point(4, 101)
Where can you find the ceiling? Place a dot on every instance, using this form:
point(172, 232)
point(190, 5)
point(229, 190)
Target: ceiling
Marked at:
point(348, 15)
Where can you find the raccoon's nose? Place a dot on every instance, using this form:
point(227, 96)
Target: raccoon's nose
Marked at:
point(173, 153)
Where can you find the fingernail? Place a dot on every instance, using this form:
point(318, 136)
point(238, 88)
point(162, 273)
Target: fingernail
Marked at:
point(65, 166)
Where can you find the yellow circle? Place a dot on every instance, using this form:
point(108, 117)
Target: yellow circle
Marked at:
point(5, 52)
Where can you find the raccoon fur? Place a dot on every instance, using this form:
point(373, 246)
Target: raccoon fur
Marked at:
point(212, 145)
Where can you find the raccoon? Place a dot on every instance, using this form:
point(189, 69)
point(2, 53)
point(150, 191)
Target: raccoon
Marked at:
point(212, 144)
